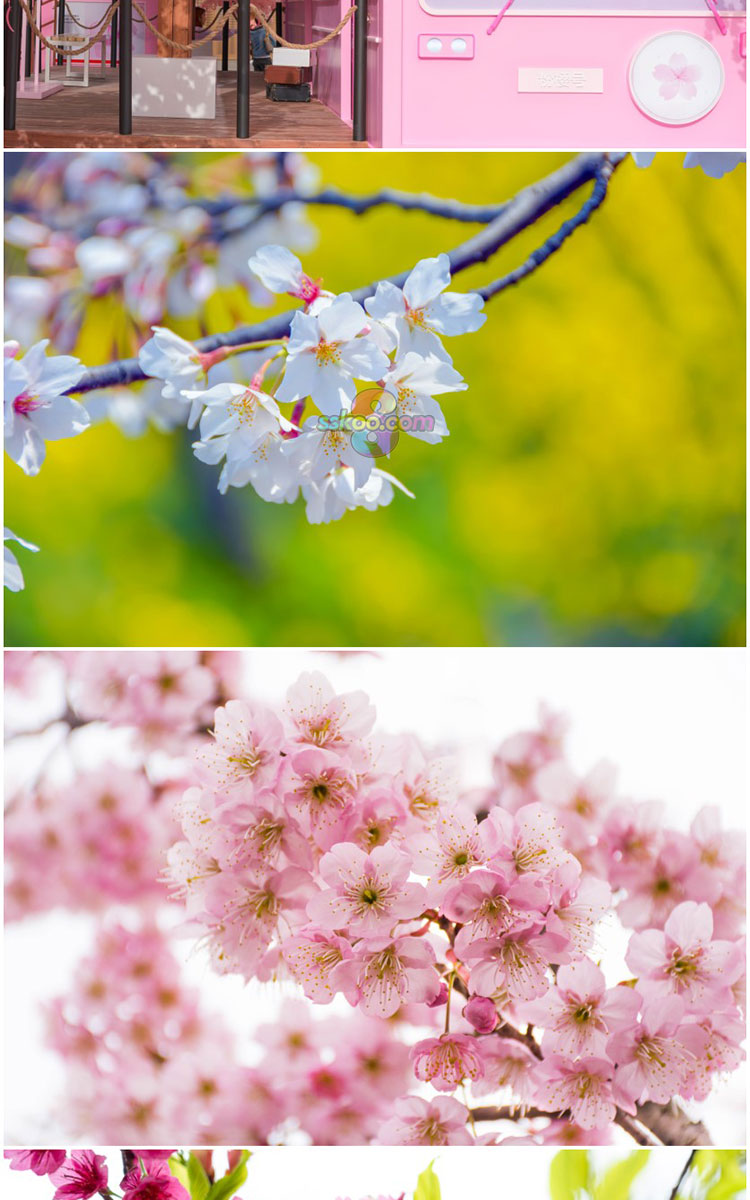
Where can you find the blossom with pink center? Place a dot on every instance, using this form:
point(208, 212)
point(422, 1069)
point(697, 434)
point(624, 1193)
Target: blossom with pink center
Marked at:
point(384, 974)
point(677, 77)
point(449, 851)
point(630, 840)
point(155, 1183)
point(41, 1162)
point(508, 1066)
point(83, 1175)
point(581, 905)
point(579, 802)
point(584, 1087)
point(684, 960)
point(651, 1061)
point(417, 1122)
point(488, 905)
point(367, 893)
point(663, 883)
point(580, 1012)
point(522, 755)
point(320, 717)
point(529, 843)
point(281, 272)
point(312, 956)
point(246, 751)
point(448, 1060)
point(715, 1041)
point(250, 909)
point(320, 788)
point(511, 968)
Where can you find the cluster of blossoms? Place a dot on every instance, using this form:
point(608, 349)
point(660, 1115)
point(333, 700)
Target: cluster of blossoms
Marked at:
point(450, 948)
point(85, 837)
point(131, 233)
point(350, 861)
point(143, 1058)
point(354, 379)
point(83, 1174)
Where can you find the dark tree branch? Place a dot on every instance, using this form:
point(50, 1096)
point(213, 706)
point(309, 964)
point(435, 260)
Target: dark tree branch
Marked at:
point(518, 214)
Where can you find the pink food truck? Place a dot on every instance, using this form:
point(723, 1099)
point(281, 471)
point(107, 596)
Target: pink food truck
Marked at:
point(620, 73)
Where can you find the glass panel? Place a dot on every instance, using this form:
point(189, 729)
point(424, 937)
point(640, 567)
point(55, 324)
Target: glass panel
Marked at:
point(468, 7)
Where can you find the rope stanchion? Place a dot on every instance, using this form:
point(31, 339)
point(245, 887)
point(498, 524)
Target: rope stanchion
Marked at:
point(12, 56)
point(125, 82)
point(243, 68)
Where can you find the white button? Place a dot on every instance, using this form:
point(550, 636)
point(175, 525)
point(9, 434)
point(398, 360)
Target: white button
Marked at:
point(458, 45)
point(434, 45)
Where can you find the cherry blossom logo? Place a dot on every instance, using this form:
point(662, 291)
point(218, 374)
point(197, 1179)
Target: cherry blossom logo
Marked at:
point(677, 77)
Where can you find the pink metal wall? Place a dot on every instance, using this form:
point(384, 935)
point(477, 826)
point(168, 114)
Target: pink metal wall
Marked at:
point(474, 101)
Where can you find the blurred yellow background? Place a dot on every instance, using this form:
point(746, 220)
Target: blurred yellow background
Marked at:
point(591, 492)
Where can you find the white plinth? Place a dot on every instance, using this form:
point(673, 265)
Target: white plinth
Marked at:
point(37, 90)
point(174, 87)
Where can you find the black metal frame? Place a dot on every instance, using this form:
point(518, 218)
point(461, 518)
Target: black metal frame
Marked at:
point(126, 67)
point(12, 62)
point(243, 69)
point(359, 109)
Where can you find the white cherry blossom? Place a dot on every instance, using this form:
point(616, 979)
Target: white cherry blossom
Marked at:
point(13, 575)
point(36, 407)
point(419, 314)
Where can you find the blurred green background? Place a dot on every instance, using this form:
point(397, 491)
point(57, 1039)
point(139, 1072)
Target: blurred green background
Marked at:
point(591, 492)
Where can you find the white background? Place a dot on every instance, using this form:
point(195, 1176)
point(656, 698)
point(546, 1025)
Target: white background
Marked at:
point(673, 721)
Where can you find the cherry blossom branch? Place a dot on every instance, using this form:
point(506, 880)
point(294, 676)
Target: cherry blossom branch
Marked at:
point(672, 1125)
point(523, 211)
point(683, 1173)
point(627, 1123)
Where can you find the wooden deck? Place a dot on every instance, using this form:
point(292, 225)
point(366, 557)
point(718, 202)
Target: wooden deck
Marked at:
point(88, 118)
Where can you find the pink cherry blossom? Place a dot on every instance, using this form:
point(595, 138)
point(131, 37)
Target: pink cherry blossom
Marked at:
point(417, 1122)
point(246, 748)
point(579, 1012)
point(683, 959)
point(385, 974)
point(512, 968)
point(481, 1014)
point(320, 788)
point(41, 1162)
point(651, 1061)
point(321, 718)
point(367, 893)
point(312, 957)
point(584, 1087)
point(528, 843)
point(83, 1175)
point(155, 1183)
point(449, 851)
point(448, 1060)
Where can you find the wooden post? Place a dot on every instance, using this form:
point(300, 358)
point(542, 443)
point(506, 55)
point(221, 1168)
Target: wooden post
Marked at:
point(243, 69)
point(12, 55)
point(175, 20)
point(126, 66)
point(359, 122)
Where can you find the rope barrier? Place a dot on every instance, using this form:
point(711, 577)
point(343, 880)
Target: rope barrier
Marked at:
point(218, 24)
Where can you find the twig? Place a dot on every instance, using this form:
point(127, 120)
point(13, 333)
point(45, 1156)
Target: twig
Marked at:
point(522, 211)
point(683, 1173)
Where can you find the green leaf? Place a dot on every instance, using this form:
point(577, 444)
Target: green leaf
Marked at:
point(722, 1171)
point(615, 1183)
point(569, 1175)
point(198, 1183)
point(428, 1185)
point(232, 1182)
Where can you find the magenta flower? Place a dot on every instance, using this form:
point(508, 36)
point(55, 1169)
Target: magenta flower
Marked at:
point(481, 1014)
point(386, 973)
point(684, 960)
point(678, 77)
point(584, 1087)
point(41, 1162)
point(367, 893)
point(417, 1122)
point(155, 1183)
point(652, 1062)
point(447, 1060)
point(83, 1175)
